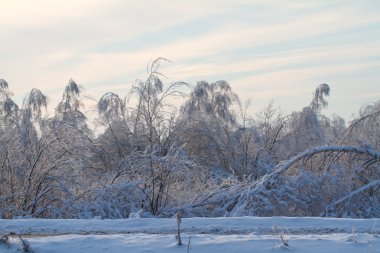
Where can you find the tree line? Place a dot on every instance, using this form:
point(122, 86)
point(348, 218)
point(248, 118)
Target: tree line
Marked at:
point(206, 157)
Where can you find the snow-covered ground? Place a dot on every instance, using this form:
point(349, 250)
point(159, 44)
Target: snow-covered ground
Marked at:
point(245, 234)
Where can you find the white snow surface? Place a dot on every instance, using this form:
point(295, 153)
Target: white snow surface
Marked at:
point(238, 234)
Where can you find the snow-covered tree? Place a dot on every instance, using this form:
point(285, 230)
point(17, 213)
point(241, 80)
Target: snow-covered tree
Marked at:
point(68, 110)
point(319, 102)
point(209, 120)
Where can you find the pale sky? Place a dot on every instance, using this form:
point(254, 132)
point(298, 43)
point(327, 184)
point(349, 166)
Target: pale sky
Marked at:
point(280, 50)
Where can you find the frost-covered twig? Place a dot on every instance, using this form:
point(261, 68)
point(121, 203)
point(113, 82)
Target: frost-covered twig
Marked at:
point(284, 242)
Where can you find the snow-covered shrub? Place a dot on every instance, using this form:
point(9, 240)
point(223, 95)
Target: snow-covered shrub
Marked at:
point(283, 195)
point(164, 181)
point(360, 203)
point(302, 186)
point(218, 201)
point(365, 130)
point(114, 201)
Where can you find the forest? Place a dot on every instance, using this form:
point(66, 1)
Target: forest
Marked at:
point(208, 157)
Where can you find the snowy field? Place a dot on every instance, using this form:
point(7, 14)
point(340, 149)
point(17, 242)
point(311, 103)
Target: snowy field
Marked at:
point(245, 234)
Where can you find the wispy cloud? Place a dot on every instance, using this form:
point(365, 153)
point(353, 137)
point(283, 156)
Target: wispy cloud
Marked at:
point(265, 49)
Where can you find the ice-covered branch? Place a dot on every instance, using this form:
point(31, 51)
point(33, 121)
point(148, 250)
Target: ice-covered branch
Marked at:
point(280, 168)
point(350, 195)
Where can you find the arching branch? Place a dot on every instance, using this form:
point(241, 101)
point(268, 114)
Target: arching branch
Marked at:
point(350, 195)
point(284, 166)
